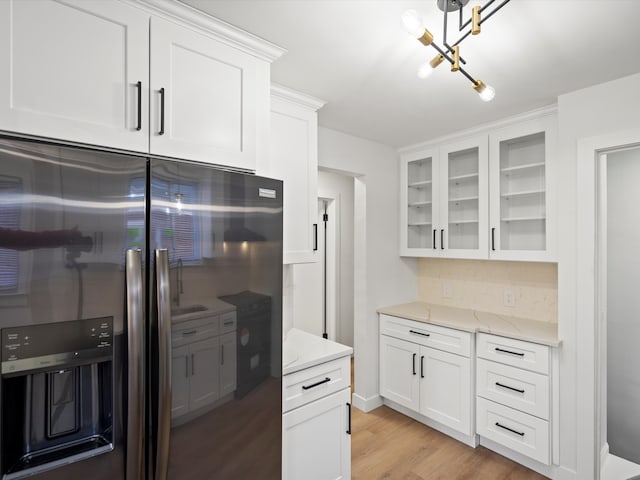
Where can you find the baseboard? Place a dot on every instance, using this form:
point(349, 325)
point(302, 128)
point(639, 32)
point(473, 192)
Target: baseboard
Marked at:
point(366, 404)
point(604, 453)
point(472, 440)
point(546, 470)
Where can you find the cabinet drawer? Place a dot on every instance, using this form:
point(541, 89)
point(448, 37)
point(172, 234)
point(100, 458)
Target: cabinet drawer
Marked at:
point(513, 387)
point(446, 339)
point(307, 385)
point(518, 431)
point(195, 330)
point(228, 322)
point(531, 356)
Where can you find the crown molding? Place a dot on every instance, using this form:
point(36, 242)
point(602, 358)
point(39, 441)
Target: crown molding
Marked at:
point(212, 27)
point(294, 96)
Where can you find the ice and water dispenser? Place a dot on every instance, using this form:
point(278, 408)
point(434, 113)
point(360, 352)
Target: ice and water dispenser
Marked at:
point(56, 395)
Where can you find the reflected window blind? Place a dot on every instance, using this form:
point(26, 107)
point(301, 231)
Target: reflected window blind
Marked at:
point(10, 191)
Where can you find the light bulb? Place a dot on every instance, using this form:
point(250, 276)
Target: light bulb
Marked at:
point(413, 23)
point(487, 93)
point(425, 70)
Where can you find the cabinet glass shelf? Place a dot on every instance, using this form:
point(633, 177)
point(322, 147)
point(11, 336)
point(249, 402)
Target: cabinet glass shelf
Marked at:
point(524, 193)
point(468, 176)
point(419, 204)
point(462, 222)
point(519, 168)
point(464, 199)
point(521, 219)
point(420, 184)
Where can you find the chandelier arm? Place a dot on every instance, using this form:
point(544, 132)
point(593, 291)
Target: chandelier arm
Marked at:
point(481, 21)
point(461, 25)
point(450, 49)
point(485, 18)
point(450, 60)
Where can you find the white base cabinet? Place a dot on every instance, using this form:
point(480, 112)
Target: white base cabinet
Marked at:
point(316, 422)
point(433, 382)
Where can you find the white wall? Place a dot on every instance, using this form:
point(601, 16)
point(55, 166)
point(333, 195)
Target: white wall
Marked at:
point(381, 276)
point(605, 108)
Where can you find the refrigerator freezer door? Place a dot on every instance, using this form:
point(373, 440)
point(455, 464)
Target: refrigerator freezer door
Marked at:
point(67, 216)
point(222, 232)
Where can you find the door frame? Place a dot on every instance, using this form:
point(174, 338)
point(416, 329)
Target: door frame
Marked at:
point(589, 354)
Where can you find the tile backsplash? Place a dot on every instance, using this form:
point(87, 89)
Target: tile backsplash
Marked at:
point(481, 285)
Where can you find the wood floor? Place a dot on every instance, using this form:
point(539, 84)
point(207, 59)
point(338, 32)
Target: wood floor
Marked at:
point(388, 445)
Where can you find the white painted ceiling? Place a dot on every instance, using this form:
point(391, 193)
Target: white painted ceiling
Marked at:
point(355, 55)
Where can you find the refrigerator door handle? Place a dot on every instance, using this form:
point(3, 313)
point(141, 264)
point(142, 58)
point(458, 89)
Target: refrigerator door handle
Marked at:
point(164, 363)
point(135, 340)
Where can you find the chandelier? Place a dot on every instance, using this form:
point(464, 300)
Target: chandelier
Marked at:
point(451, 52)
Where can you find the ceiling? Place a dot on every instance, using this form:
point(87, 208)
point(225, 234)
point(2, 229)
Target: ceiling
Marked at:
point(356, 55)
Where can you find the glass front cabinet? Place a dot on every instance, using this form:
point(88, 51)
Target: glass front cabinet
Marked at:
point(485, 196)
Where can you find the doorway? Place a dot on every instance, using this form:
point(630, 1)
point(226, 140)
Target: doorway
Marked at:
point(618, 307)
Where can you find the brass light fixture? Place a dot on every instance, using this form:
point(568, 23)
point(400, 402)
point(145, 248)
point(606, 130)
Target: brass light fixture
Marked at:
point(451, 53)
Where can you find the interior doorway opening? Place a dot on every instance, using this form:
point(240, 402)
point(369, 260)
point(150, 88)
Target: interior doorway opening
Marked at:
point(618, 304)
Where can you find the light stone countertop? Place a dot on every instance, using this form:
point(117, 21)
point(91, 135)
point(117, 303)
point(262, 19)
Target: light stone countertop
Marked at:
point(303, 350)
point(474, 321)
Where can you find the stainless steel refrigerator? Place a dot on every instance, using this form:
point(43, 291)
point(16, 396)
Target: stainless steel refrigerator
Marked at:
point(140, 317)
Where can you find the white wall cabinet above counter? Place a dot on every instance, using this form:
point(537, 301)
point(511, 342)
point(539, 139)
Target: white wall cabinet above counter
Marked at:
point(490, 194)
point(293, 158)
point(153, 77)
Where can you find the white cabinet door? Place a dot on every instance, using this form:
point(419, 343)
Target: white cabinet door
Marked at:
point(180, 369)
point(445, 389)
point(204, 380)
point(228, 362)
point(316, 443)
point(464, 201)
point(419, 204)
point(523, 191)
point(399, 371)
point(203, 98)
point(71, 70)
point(294, 159)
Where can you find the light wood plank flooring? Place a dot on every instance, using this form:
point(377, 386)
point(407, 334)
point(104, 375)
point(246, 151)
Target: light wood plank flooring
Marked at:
point(388, 445)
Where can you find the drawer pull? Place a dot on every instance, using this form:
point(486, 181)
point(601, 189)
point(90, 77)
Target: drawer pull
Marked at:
point(349, 418)
point(509, 388)
point(414, 363)
point(519, 354)
point(510, 429)
point(307, 387)
point(420, 333)
point(230, 322)
point(422, 366)
point(190, 332)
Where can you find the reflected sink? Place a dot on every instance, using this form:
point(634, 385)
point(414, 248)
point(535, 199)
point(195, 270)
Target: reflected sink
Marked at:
point(177, 311)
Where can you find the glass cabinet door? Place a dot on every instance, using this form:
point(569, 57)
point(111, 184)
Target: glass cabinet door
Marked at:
point(520, 195)
point(463, 222)
point(419, 198)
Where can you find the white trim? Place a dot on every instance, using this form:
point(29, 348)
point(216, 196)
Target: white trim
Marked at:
point(294, 96)
point(480, 129)
point(586, 308)
point(541, 468)
point(212, 27)
point(366, 404)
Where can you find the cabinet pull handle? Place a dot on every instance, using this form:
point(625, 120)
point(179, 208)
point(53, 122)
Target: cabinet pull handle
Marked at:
point(186, 364)
point(420, 333)
point(442, 239)
point(315, 237)
point(518, 354)
point(349, 418)
point(307, 387)
point(221, 354)
point(493, 239)
point(193, 364)
point(190, 332)
point(422, 366)
point(230, 322)
point(434, 239)
point(161, 131)
point(510, 388)
point(510, 429)
point(414, 363)
point(139, 88)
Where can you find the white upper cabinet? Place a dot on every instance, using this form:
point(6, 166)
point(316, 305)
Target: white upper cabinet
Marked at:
point(151, 76)
point(203, 97)
point(75, 70)
point(522, 191)
point(293, 158)
point(444, 204)
point(486, 196)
